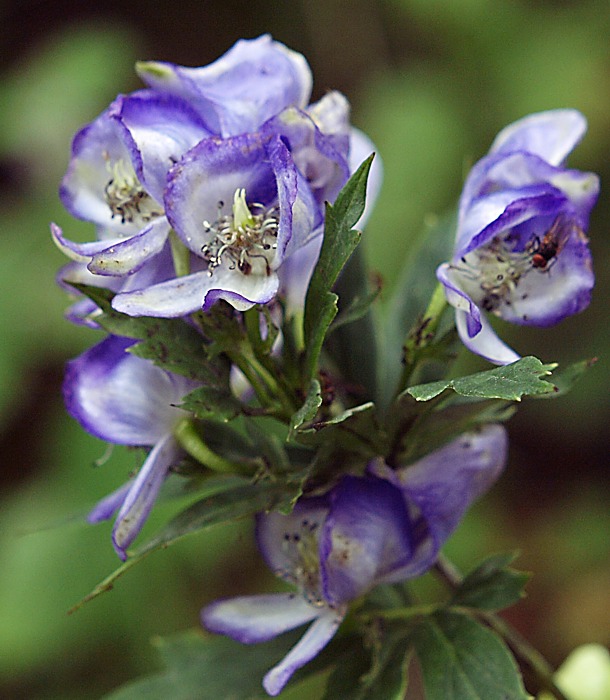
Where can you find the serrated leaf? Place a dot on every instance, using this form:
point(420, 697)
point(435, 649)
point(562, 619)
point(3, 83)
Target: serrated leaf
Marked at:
point(199, 667)
point(565, 378)
point(308, 410)
point(339, 242)
point(463, 660)
point(510, 382)
point(493, 585)
point(362, 675)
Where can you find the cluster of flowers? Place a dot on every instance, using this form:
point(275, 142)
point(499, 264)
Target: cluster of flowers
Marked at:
point(210, 185)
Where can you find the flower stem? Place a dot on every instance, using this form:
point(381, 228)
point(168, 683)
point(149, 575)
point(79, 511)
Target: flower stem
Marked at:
point(188, 438)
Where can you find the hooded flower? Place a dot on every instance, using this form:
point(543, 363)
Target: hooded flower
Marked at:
point(230, 155)
point(521, 251)
point(118, 169)
point(126, 400)
point(385, 527)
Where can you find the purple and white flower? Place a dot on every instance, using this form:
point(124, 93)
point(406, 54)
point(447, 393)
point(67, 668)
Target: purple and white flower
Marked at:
point(384, 527)
point(246, 204)
point(126, 400)
point(230, 155)
point(521, 251)
point(116, 179)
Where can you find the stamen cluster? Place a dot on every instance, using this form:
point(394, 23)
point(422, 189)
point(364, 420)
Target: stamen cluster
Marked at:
point(127, 198)
point(243, 240)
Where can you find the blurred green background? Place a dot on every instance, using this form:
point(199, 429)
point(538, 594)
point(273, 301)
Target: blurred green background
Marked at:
point(431, 81)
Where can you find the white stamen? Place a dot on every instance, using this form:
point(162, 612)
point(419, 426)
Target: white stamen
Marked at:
point(247, 240)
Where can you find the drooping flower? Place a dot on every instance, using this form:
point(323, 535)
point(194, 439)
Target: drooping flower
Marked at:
point(127, 400)
point(384, 527)
point(521, 251)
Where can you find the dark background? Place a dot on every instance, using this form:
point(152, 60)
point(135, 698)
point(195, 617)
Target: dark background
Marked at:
point(432, 82)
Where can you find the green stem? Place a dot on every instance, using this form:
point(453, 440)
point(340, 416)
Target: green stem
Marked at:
point(521, 648)
point(188, 438)
point(259, 386)
point(264, 363)
point(401, 613)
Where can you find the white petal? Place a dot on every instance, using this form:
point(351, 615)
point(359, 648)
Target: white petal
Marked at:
point(143, 493)
point(485, 343)
point(310, 644)
point(257, 618)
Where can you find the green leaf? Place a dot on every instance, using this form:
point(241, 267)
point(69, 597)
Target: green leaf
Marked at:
point(493, 585)
point(339, 242)
point(564, 379)
point(212, 402)
point(386, 678)
point(308, 410)
point(237, 501)
point(170, 343)
point(463, 660)
point(199, 667)
point(510, 382)
point(356, 430)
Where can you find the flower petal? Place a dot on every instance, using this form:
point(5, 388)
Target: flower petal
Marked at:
point(469, 312)
point(95, 149)
point(484, 343)
point(275, 532)
point(310, 645)
point(108, 506)
point(546, 296)
point(442, 486)
point(253, 81)
point(157, 129)
point(80, 252)
point(258, 618)
point(170, 299)
point(207, 178)
point(550, 135)
point(142, 493)
point(124, 257)
point(122, 398)
point(365, 536)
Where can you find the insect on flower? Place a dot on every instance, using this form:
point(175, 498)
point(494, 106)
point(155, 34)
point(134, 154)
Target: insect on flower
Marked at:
point(544, 252)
